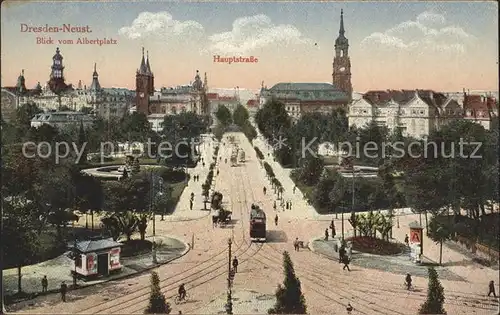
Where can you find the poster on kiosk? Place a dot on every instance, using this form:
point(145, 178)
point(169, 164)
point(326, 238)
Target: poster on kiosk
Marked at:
point(416, 242)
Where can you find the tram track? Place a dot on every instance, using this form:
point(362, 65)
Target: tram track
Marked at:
point(189, 276)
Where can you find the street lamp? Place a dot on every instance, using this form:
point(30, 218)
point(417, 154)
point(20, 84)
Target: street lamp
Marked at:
point(229, 303)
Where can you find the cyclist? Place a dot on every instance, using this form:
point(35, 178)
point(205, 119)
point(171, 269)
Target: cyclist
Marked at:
point(408, 281)
point(182, 292)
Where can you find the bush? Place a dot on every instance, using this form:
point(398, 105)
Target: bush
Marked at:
point(157, 300)
point(136, 247)
point(372, 245)
point(259, 153)
point(435, 295)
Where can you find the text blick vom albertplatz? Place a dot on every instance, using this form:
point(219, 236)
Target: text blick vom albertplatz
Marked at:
point(165, 149)
point(65, 28)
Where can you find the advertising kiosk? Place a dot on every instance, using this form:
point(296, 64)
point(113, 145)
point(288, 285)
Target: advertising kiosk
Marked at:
point(416, 241)
point(95, 258)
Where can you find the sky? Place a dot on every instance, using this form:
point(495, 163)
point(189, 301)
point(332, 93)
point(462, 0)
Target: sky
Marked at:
point(444, 46)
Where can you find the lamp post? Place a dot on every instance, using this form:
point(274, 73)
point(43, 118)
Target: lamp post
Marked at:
point(229, 303)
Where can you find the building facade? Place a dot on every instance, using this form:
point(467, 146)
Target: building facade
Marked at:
point(62, 120)
point(55, 94)
point(415, 113)
point(301, 98)
point(168, 101)
point(480, 109)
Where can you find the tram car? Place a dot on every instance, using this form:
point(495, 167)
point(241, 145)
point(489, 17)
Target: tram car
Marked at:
point(257, 224)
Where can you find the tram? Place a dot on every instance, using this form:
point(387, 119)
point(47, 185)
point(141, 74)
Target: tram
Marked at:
point(257, 224)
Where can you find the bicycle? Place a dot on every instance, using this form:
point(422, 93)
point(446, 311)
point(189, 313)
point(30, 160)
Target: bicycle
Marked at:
point(178, 299)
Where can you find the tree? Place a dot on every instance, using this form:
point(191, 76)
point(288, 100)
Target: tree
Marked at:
point(439, 233)
point(223, 115)
point(289, 297)
point(240, 115)
point(354, 221)
point(157, 301)
point(136, 167)
point(112, 226)
point(272, 119)
point(20, 241)
point(135, 127)
point(82, 144)
point(311, 170)
point(24, 114)
point(435, 295)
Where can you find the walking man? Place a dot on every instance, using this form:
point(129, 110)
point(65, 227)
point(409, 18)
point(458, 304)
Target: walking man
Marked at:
point(286, 205)
point(45, 284)
point(192, 196)
point(276, 220)
point(64, 289)
point(407, 240)
point(294, 187)
point(492, 289)
point(217, 171)
point(326, 235)
point(332, 226)
point(191, 204)
point(235, 264)
point(341, 253)
point(346, 263)
point(274, 205)
point(264, 190)
point(290, 205)
point(296, 244)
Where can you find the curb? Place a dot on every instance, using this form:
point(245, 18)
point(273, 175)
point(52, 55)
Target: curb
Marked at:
point(138, 273)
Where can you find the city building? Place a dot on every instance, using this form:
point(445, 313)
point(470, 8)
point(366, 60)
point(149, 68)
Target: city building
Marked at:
point(173, 100)
point(56, 94)
point(301, 98)
point(415, 112)
point(62, 120)
point(480, 109)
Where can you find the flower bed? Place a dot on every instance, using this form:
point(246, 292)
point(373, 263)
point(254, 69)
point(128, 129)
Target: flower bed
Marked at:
point(371, 245)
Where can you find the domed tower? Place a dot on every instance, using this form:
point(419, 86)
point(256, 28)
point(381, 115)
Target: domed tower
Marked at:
point(56, 82)
point(341, 62)
point(21, 84)
point(197, 84)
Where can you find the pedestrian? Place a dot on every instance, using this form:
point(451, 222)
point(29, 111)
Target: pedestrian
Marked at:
point(296, 244)
point(225, 161)
point(217, 171)
point(341, 253)
point(276, 220)
point(332, 226)
point(203, 164)
point(192, 196)
point(406, 240)
point(346, 263)
point(326, 234)
point(492, 288)
point(64, 289)
point(45, 284)
point(349, 308)
point(294, 187)
point(190, 204)
point(235, 264)
point(264, 190)
point(290, 205)
point(286, 205)
point(274, 205)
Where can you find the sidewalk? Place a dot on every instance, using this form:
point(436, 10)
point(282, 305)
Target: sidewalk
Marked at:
point(182, 211)
point(59, 269)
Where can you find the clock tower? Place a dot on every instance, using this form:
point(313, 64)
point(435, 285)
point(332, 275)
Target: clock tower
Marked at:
point(341, 62)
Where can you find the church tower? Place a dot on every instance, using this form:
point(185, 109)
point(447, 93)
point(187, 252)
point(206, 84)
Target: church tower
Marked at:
point(144, 86)
point(341, 62)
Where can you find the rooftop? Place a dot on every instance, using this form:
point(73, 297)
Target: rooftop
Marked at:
point(94, 245)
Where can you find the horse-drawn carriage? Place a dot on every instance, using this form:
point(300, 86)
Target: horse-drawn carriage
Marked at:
point(221, 217)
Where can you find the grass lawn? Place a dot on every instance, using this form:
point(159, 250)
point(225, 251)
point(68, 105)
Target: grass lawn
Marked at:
point(177, 189)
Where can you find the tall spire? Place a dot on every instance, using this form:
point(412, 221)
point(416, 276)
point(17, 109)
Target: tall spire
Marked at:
point(205, 83)
point(341, 31)
point(143, 68)
point(95, 70)
point(148, 67)
point(95, 80)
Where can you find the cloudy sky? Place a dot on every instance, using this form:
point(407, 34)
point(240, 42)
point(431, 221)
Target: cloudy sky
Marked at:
point(442, 45)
